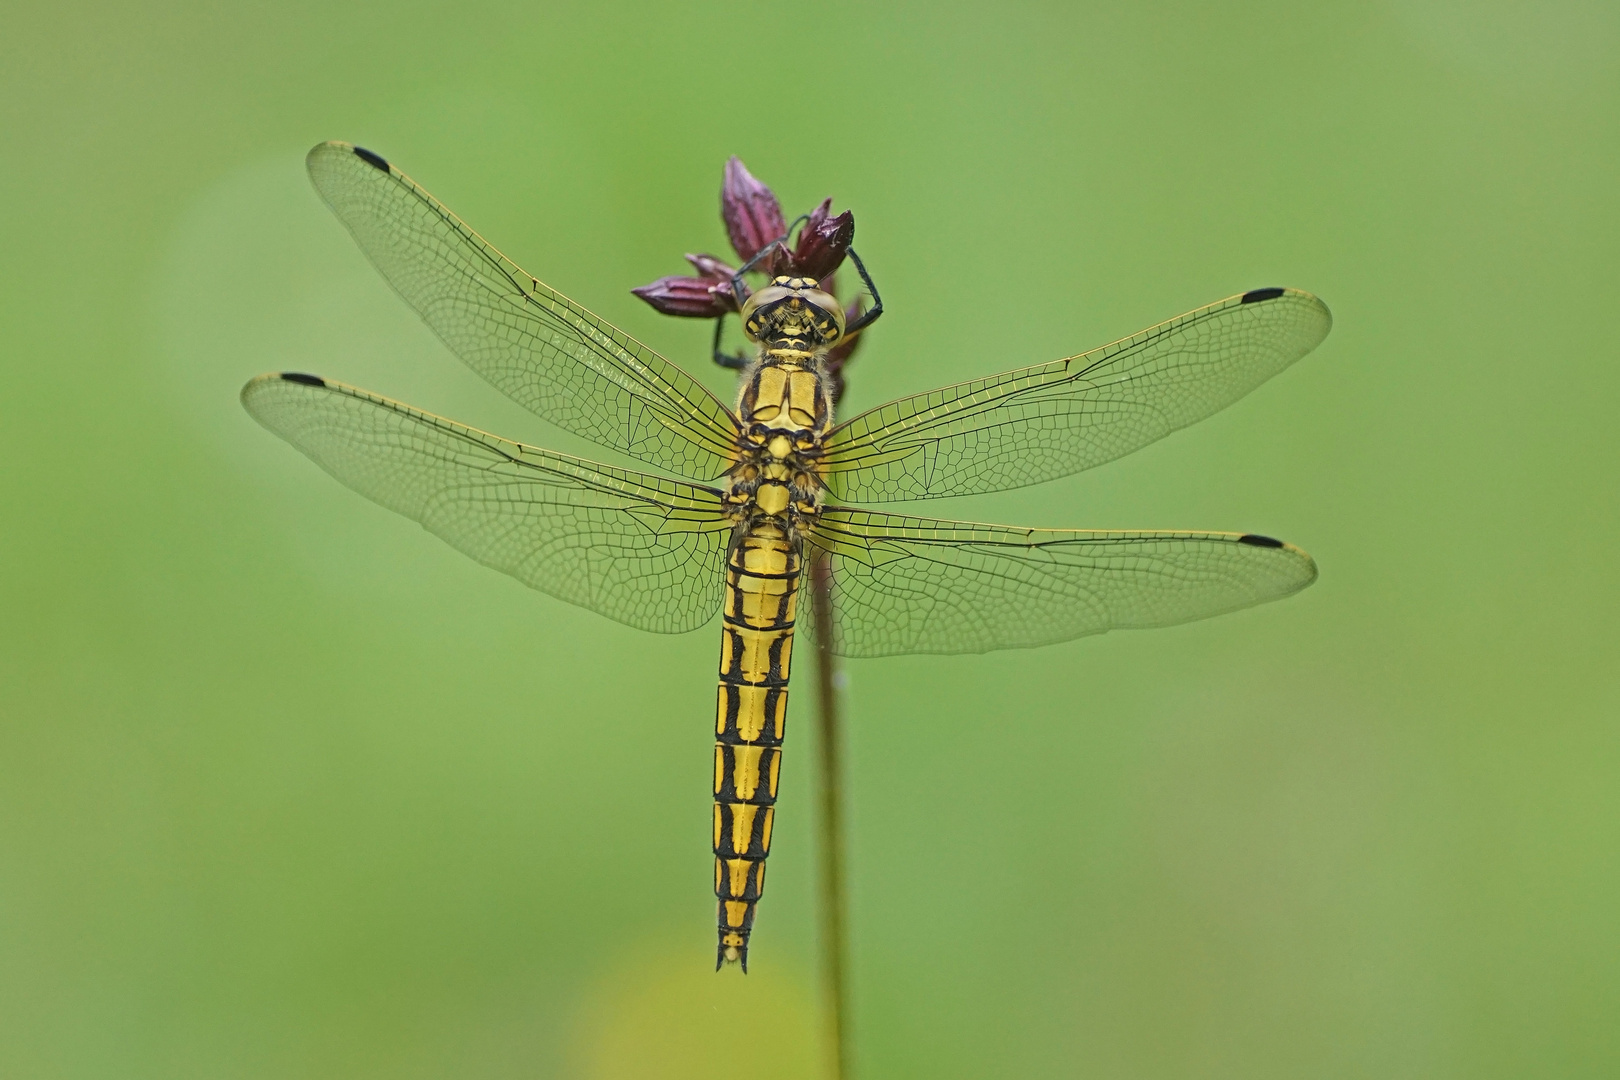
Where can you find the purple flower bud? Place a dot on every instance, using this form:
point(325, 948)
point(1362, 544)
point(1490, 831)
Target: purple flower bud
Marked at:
point(823, 241)
point(752, 215)
point(710, 267)
point(689, 297)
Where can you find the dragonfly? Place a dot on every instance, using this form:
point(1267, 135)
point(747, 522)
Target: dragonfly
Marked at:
point(748, 498)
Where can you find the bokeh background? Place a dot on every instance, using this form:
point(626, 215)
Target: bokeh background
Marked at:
point(290, 789)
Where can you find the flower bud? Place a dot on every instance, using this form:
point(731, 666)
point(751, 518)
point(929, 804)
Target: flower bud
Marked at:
point(823, 241)
point(710, 267)
point(752, 215)
point(689, 297)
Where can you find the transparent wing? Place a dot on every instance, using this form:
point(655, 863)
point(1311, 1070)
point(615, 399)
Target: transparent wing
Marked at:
point(1042, 422)
point(917, 585)
point(534, 344)
point(639, 549)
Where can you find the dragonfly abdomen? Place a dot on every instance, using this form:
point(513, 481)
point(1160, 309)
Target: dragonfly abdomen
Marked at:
point(762, 584)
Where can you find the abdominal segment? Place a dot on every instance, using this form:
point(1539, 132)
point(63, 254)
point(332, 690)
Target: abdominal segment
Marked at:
point(762, 584)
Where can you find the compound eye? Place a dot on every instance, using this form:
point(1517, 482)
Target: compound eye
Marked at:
point(830, 321)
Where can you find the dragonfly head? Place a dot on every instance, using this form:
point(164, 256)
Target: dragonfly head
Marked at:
point(793, 308)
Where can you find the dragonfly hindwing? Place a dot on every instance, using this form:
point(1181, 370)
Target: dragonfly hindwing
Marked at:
point(643, 550)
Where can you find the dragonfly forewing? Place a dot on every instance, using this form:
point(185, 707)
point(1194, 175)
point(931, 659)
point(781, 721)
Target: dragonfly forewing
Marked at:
point(534, 344)
point(642, 550)
point(919, 585)
point(1039, 423)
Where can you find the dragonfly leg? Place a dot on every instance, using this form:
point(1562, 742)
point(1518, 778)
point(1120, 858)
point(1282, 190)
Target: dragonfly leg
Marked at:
point(871, 316)
point(730, 361)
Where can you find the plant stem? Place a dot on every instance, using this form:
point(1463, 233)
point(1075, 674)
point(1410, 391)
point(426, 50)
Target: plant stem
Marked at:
point(829, 752)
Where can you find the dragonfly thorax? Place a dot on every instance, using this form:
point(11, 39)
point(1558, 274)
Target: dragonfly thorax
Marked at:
point(787, 407)
point(793, 312)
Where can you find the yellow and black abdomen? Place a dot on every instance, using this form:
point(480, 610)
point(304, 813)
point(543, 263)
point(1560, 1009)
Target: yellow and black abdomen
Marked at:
point(762, 584)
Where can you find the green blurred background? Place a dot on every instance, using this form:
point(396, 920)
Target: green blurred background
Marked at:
point(288, 788)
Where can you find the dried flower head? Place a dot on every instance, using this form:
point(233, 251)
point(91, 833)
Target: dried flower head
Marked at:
point(752, 215)
point(754, 222)
point(823, 242)
point(691, 297)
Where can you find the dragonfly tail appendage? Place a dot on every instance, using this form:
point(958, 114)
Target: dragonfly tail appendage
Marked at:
point(762, 584)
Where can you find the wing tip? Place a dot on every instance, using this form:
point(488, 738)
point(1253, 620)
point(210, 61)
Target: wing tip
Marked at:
point(1255, 296)
point(376, 161)
point(1273, 292)
point(330, 146)
point(252, 388)
point(1271, 543)
point(339, 147)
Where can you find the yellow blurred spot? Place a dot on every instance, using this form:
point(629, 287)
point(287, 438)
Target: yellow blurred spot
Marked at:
point(671, 1016)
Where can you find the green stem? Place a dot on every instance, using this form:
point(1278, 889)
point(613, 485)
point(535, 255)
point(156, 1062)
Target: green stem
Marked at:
point(829, 747)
